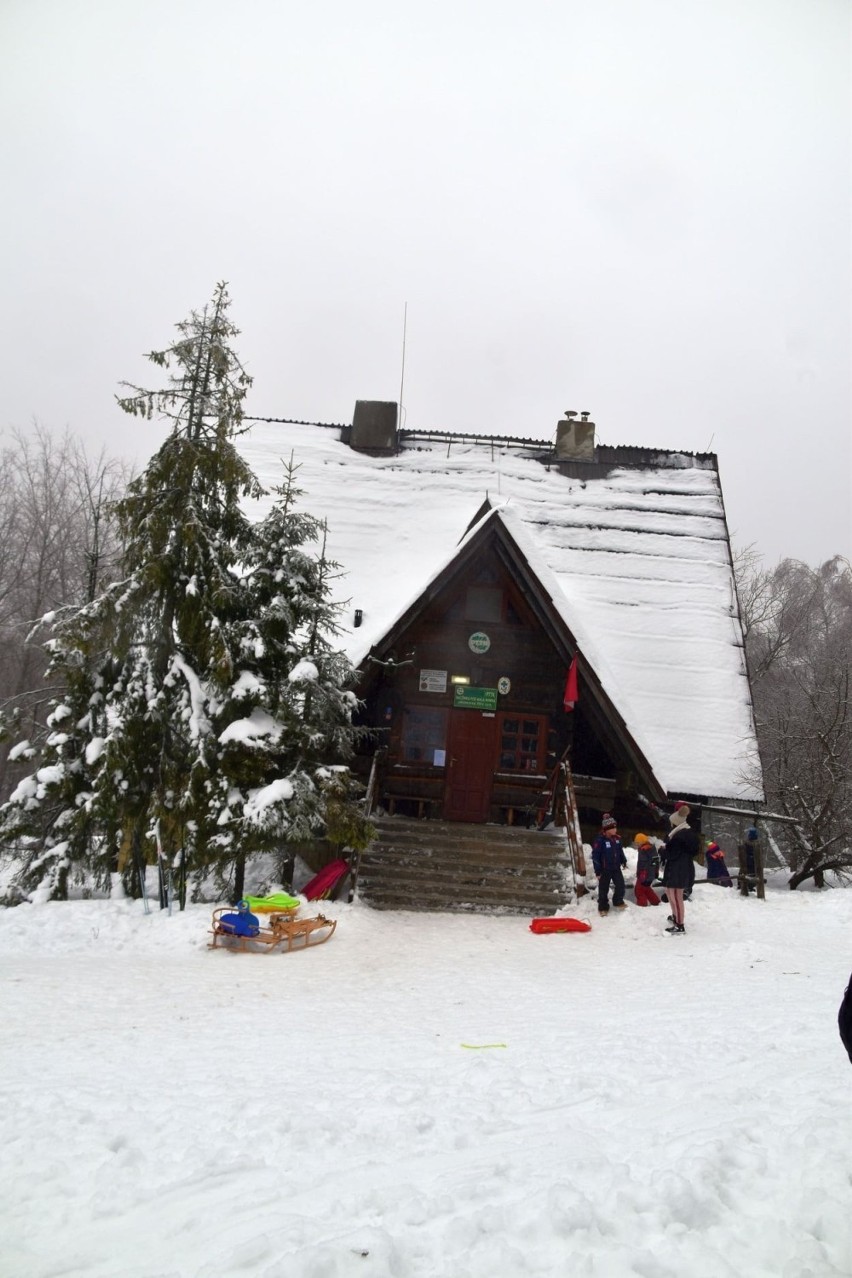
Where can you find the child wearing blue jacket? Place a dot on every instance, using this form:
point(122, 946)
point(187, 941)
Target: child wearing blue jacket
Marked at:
point(609, 861)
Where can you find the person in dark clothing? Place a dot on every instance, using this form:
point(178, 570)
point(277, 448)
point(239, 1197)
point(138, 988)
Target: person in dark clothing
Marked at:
point(748, 861)
point(681, 847)
point(717, 870)
point(609, 861)
point(844, 1019)
point(647, 864)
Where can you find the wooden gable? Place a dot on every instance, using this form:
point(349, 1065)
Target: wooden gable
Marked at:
point(465, 692)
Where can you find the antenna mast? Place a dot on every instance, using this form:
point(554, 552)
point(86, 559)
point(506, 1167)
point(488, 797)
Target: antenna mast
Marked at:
point(402, 374)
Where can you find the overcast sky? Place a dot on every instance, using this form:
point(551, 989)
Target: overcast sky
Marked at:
point(641, 209)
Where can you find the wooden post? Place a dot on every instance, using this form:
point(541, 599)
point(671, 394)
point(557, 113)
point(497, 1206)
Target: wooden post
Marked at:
point(758, 865)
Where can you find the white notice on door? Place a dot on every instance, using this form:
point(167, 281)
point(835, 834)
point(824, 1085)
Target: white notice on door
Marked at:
point(433, 681)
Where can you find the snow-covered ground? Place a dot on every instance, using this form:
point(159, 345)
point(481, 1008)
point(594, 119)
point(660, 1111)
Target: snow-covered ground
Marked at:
point(428, 1095)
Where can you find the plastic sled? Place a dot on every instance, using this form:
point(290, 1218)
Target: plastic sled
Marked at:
point(283, 931)
point(239, 922)
point(278, 903)
point(543, 926)
point(323, 884)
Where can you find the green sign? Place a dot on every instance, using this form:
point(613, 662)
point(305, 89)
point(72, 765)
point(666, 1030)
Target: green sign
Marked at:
point(475, 698)
point(479, 642)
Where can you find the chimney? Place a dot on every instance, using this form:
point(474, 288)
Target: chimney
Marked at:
point(374, 427)
point(575, 440)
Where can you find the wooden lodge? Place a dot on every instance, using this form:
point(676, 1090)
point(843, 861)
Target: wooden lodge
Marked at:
point(477, 571)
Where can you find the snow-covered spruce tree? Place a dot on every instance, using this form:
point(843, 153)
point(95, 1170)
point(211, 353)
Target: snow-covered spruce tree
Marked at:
point(285, 724)
point(218, 711)
point(48, 818)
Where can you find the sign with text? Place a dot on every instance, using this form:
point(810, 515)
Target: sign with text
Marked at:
point(479, 642)
point(475, 698)
point(433, 681)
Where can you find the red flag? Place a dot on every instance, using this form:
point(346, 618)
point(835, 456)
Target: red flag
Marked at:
point(571, 696)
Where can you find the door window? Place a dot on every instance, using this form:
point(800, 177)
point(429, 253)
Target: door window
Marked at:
point(424, 733)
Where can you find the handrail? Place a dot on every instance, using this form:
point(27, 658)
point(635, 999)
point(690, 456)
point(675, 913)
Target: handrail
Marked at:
point(370, 796)
point(369, 801)
point(573, 835)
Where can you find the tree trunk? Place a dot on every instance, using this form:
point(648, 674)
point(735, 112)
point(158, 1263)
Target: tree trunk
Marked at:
point(161, 883)
point(758, 865)
point(60, 888)
point(239, 877)
point(137, 880)
point(182, 879)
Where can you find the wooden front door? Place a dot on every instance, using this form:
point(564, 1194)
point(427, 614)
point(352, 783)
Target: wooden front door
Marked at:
point(470, 765)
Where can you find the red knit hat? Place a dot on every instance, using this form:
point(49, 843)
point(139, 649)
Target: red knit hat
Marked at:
point(608, 822)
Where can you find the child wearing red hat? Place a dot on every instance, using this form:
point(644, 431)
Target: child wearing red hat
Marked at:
point(717, 870)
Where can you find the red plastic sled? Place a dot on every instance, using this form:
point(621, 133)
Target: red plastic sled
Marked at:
point(560, 925)
point(322, 885)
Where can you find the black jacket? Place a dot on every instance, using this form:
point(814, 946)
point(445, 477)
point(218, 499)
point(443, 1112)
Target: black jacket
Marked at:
point(647, 865)
point(844, 1019)
point(681, 847)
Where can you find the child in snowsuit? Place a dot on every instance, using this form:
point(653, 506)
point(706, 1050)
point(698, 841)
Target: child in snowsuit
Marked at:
point(717, 870)
point(609, 859)
point(646, 868)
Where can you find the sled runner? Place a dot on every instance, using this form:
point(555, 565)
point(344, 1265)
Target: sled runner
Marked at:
point(284, 930)
point(544, 926)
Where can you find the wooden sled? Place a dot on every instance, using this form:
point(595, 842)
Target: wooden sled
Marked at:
point(284, 930)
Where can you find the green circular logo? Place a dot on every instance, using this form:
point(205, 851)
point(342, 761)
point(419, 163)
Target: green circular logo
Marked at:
point(479, 642)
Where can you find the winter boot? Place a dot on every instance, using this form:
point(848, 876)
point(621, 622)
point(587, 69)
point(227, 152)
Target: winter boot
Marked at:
point(603, 913)
point(620, 905)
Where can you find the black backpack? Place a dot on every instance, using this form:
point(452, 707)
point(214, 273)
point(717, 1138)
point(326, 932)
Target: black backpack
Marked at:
point(844, 1019)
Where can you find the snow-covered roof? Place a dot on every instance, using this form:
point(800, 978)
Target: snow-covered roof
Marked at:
point(635, 557)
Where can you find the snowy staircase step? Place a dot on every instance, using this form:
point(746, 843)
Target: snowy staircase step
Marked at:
point(450, 867)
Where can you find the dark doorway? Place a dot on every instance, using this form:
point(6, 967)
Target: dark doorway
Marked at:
point(470, 765)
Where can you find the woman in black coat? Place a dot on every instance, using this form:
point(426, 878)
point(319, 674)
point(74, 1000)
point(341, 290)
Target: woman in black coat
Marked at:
point(681, 846)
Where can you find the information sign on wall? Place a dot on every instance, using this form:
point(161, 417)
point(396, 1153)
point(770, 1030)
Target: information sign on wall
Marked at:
point(433, 681)
point(479, 642)
point(475, 698)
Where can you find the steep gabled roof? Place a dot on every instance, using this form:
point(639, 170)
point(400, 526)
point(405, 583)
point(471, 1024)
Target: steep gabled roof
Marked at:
point(635, 557)
point(501, 529)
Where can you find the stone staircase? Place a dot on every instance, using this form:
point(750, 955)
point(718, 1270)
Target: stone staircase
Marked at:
point(447, 866)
